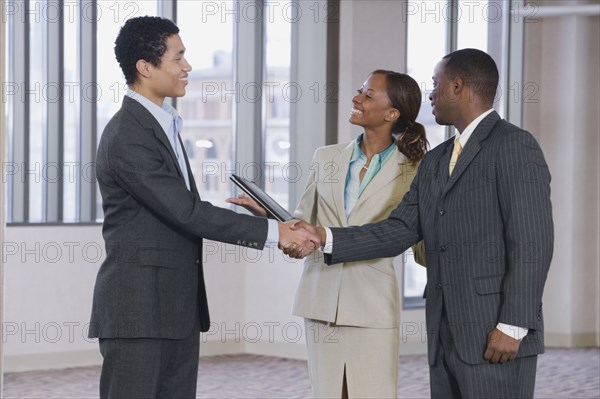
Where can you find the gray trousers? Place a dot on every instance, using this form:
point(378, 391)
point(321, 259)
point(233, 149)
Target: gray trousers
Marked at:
point(150, 368)
point(451, 377)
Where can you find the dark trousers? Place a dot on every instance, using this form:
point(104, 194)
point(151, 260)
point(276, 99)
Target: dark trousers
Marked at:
point(150, 368)
point(451, 377)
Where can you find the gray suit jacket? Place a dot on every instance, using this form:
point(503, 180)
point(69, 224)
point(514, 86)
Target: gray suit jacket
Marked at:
point(488, 233)
point(151, 283)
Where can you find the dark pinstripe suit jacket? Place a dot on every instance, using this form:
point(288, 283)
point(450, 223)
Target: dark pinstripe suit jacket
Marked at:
point(488, 234)
point(151, 283)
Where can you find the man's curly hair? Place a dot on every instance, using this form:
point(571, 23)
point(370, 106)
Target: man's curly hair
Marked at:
point(142, 38)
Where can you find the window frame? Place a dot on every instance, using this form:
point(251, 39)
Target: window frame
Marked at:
point(310, 118)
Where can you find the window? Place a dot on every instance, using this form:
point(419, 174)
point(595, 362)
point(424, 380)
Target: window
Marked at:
point(426, 29)
point(207, 108)
point(64, 85)
point(484, 25)
point(276, 101)
point(109, 82)
point(441, 27)
point(67, 86)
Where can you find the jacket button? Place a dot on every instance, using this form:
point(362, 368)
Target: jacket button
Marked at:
point(442, 212)
point(197, 261)
point(442, 249)
point(439, 285)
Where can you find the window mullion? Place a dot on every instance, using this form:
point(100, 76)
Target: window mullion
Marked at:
point(514, 62)
point(452, 26)
point(308, 118)
point(248, 75)
point(88, 127)
point(168, 9)
point(19, 73)
point(452, 40)
point(53, 176)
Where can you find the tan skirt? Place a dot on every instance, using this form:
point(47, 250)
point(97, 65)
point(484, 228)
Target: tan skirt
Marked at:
point(369, 356)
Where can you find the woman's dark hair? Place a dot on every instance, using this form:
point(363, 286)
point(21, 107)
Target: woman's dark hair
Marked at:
point(405, 95)
point(142, 38)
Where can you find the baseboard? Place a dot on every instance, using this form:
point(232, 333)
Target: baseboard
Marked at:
point(415, 347)
point(578, 340)
point(277, 349)
point(60, 360)
point(216, 347)
point(265, 348)
point(49, 361)
point(286, 349)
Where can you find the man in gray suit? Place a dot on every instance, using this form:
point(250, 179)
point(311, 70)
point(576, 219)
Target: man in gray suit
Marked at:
point(150, 300)
point(481, 203)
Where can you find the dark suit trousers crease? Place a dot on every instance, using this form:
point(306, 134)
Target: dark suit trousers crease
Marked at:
point(150, 367)
point(451, 377)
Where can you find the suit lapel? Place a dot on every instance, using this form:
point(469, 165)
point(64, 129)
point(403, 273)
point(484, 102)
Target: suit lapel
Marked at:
point(339, 185)
point(471, 149)
point(147, 120)
point(388, 172)
point(193, 187)
point(442, 167)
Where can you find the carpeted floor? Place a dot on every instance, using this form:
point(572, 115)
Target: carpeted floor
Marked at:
point(562, 373)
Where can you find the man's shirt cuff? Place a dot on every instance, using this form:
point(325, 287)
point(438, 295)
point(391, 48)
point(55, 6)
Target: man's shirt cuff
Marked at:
point(513, 331)
point(328, 247)
point(272, 234)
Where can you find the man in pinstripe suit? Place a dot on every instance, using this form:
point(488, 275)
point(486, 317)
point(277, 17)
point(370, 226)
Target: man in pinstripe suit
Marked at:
point(481, 202)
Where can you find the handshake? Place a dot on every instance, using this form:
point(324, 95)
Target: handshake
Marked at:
point(297, 239)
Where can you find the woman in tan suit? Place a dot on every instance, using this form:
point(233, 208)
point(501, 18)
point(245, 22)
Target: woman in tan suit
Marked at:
point(352, 310)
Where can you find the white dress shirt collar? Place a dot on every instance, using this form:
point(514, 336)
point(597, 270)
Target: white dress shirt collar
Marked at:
point(464, 136)
point(164, 115)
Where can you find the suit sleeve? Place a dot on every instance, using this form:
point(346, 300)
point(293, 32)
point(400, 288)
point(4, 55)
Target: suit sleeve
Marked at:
point(524, 196)
point(138, 165)
point(387, 238)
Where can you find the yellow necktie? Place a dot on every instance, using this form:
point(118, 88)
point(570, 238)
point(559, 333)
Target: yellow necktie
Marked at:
point(455, 153)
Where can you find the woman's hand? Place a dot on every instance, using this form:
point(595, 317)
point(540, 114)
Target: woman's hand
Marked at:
point(248, 203)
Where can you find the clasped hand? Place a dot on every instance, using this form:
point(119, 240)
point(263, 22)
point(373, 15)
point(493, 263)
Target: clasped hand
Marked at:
point(297, 239)
point(501, 347)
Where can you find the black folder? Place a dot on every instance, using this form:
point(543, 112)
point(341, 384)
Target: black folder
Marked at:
point(265, 200)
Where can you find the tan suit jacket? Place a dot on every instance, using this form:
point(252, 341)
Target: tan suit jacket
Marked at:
point(363, 294)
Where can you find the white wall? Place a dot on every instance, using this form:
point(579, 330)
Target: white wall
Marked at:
point(372, 36)
point(250, 297)
point(50, 273)
point(562, 59)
